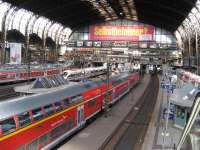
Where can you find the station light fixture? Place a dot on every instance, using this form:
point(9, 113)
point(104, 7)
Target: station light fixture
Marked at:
point(104, 8)
point(108, 13)
point(129, 9)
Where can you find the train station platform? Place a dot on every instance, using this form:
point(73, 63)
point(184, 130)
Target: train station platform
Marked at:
point(156, 137)
point(94, 135)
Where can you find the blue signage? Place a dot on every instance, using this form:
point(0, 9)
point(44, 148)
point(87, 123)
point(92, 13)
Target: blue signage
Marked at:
point(167, 86)
point(170, 115)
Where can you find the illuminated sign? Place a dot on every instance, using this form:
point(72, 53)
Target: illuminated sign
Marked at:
point(131, 33)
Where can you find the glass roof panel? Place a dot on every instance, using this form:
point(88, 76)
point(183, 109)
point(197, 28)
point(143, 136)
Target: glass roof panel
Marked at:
point(178, 37)
point(64, 36)
point(47, 28)
point(40, 25)
point(31, 24)
point(198, 4)
point(24, 21)
point(58, 33)
point(187, 26)
point(182, 32)
point(9, 18)
point(194, 22)
point(19, 18)
point(53, 29)
point(3, 7)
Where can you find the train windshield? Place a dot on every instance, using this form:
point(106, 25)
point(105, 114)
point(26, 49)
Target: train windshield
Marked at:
point(7, 126)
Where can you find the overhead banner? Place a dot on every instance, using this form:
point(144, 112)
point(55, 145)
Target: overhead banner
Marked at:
point(15, 53)
point(122, 33)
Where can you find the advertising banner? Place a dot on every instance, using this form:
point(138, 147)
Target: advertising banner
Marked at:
point(15, 53)
point(122, 33)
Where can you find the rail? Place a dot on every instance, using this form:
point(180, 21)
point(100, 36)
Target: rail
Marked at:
point(131, 131)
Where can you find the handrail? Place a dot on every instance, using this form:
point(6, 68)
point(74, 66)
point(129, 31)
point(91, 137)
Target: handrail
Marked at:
point(187, 128)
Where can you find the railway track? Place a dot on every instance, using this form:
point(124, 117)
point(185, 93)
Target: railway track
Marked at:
point(131, 132)
point(7, 91)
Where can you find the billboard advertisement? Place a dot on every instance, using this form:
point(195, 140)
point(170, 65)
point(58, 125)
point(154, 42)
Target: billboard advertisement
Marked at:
point(15, 53)
point(122, 33)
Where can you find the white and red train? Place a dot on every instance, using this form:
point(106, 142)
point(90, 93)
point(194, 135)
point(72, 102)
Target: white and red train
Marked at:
point(43, 120)
point(22, 74)
point(72, 74)
point(79, 74)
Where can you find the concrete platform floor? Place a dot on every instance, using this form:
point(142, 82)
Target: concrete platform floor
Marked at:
point(155, 139)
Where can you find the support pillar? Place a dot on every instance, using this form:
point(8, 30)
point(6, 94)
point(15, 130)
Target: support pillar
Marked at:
point(197, 52)
point(4, 30)
point(189, 51)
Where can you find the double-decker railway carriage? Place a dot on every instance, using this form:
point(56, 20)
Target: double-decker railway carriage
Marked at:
point(41, 121)
point(22, 74)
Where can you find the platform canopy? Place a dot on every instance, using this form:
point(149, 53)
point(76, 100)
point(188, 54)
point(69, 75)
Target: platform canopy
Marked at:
point(184, 96)
point(168, 14)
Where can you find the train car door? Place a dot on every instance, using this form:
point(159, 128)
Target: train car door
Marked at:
point(80, 116)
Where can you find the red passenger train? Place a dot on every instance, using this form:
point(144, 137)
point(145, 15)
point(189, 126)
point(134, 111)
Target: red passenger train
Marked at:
point(43, 120)
point(19, 75)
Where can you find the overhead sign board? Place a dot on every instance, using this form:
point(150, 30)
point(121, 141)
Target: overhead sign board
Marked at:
point(119, 44)
point(79, 43)
point(107, 44)
point(88, 43)
point(128, 33)
point(70, 43)
point(97, 43)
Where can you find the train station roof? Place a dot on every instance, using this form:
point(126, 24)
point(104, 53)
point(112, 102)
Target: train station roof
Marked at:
point(76, 13)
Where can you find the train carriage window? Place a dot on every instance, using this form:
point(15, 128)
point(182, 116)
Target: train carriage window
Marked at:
point(3, 76)
point(76, 99)
point(21, 148)
point(33, 145)
point(24, 119)
point(66, 102)
point(59, 130)
point(49, 109)
point(92, 103)
point(43, 140)
point(11, 75)
point(71, 123)
point(88, 85)
point(65, 73)
point(7, 126)
point(58, 106)
point(37, 114)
